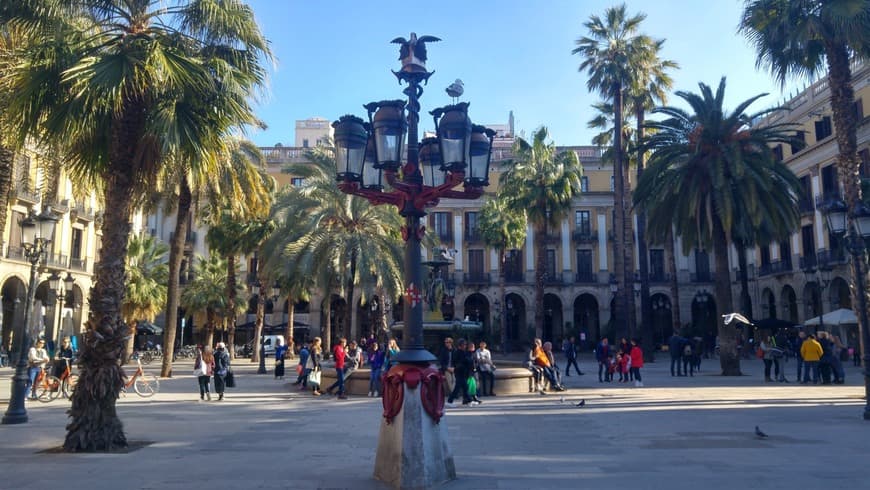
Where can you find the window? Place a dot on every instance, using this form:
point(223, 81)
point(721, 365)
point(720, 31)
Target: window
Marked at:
point(584, 262)
point(799, 143)
point(472, 234)
point(809, 245)
point(513, 266)
point(612, 183)
point(657, 265)
point(551, 265)
point(475, 262)
point(823, 128)
point(785, 255)
point(305, 143)
point(777, 153)
point(441, 224)
point(765, 256)
point(702, 265)
point(829, 182)
point(584, 184)
point(864, 166)
point(858, 110)
point(76, 246)
point(582, 223)
point(297, 182)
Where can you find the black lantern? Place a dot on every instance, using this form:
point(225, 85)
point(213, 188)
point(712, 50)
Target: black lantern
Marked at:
point(835, 213)
point(350, 148)
point(862, 220)
point(481, 144)
point(389, 128)
point(454, 132)
point(372, 174)
point(434, 173)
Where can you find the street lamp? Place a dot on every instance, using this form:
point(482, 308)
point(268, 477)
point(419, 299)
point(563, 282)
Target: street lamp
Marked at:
point(413, 453)
point(36, 235)
point(854, 227)
point(821, 272)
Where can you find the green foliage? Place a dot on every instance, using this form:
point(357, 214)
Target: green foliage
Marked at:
point(207, 290)
point(147, 274)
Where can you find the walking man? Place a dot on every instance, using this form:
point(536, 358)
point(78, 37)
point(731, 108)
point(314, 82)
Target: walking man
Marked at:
point(571, 356)
point(602, 353)
point(675, 347)
point(339, 354)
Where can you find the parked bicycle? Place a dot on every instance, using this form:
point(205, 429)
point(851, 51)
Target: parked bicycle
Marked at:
point(46, 387)
point(143, 384)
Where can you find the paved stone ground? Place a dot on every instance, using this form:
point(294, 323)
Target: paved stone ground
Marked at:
point(675, 433)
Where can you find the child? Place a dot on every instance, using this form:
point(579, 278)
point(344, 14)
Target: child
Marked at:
point(611, 368)
point(620, 366)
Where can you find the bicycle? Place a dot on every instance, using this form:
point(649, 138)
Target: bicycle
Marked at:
point(68, 380)
point(50, 387)
point(144, 385)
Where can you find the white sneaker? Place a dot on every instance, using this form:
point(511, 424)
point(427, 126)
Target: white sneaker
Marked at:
point(451, 404)
point(376, 394)
point(475, 403)
point(370, 394)
point(638, 384)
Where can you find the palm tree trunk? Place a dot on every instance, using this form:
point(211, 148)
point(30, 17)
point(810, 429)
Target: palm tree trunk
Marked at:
point(94, 424)
point(675, 287)
point(261, 311)
point(502, 291)
point(327, 324)
point(745, 298)
point(352, 329)
point(209, 326)
point(848, 165)
point(288, 332)
point(540, 273)
point(7, 166)
point(645, 300)
point(176, 253)
point(729, 360)
point(231, 305)
point(620, 314)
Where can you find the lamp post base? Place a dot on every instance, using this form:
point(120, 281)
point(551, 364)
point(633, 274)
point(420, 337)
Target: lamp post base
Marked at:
point(413, 450)
point(15, 412)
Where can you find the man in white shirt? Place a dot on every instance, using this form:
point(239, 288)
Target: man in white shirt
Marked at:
point(485, 368)
point(37, 358)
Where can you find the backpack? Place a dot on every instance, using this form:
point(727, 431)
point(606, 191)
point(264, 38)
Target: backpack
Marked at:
point(687, 350)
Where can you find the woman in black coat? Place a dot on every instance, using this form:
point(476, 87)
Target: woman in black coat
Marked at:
point(221, 367)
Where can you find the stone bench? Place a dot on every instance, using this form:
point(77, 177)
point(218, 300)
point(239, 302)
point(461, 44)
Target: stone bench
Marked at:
point(508, 380)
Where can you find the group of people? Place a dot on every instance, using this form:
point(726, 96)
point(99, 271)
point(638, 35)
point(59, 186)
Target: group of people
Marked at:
point(468, 371)
point(685, 354)
point(626, 361)
point(348, 357)
point(38, 360)
point(212, 363)
point(818, 356)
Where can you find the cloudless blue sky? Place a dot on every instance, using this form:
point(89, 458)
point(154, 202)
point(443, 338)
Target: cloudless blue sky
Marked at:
point(512, 55)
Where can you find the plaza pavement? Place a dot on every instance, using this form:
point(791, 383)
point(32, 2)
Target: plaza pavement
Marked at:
point(675, 433)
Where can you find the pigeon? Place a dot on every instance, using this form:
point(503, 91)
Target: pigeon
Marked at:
point(561, 399)
point(582, 403)
point(759, 434)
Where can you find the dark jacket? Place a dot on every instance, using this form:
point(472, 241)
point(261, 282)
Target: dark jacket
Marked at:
point(601, 352)
point(571, 350)
point(221, 362)
point(675, 345)
point(463, 363)
point(445, 358)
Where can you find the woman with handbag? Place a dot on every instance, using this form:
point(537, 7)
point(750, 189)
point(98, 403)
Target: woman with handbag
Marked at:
point(315, 357)
point(221, 368)
point(203, 368)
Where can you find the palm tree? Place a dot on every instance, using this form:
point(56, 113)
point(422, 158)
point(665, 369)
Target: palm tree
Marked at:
point(147, 273)
point(207, 292)
point(809, 37)
point(344, 234)
point(544, 183)
point(612, 53)
point(710, 169)
point(115, 82)
point(502, 228)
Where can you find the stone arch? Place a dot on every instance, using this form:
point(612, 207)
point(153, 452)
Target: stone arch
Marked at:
point(768, 304)
point(13, 294)
point(586, 320)
point(517, 326)
point(788, 299)
point(839, 294)
point(662, 318)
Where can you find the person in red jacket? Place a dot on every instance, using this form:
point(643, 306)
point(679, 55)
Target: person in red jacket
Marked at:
point(339, 353)
point(636, 362)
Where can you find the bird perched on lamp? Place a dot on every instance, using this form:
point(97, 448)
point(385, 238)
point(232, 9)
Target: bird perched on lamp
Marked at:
point(412, 52)
point(455, 89)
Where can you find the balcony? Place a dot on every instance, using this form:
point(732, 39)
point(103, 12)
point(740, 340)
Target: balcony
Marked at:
point(659, 278)
point(835, 256)
point(553, 279)
point(828, 195)
point(24, 193)
point(587, 235)
point(701, 276)
point(15, 252)
point(78, 264)
point(445, 238)
point(586, 277)
point(552, 237)
point(80, 211)
point(514, 277)
point(472, 236)
point(806, 206)
point(775, 267)
point(477, 278)
point(56, 260)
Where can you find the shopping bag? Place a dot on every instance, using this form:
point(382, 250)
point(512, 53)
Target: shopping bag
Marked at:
point(230, 380)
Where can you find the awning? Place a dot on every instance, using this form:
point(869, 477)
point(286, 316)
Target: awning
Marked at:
point(443, 326)
point(842, 316)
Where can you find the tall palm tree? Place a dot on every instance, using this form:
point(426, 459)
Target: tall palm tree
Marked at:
point(648, 88)
point(112, 80)
point(611, 53)
point(807, 37)
point(207, 292)
point(503, 228)
point(544, 183)
point(147, 273)
point(345, 234)
point(709, 169)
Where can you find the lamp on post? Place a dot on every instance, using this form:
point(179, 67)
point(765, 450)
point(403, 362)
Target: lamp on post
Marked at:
point(854, 227)
point(36, 235)
point(56, 288)
point(68, 297)
point(413, 453)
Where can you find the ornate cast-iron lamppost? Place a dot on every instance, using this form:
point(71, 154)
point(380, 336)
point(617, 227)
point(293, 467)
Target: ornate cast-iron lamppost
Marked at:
point(412, 447)
point(854, 228)
point(36, 234)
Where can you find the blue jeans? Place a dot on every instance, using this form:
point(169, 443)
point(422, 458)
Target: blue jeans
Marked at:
point(675, 361)
point(375, 380)
point(814, 365)
point(339, 381)
point(800, 365)
point(32, 373)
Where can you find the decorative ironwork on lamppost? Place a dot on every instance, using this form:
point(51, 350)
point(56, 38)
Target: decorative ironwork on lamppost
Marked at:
point(36, 235)
point(854, 228)
point(369, 159)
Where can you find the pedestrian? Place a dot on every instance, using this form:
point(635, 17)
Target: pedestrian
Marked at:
point(353, 361)
point(64, 357)
point(571, 357)
point(376, 363)
point(472, 377)
point(765, 347)
point(462, 365)
point(315, 358)
point(280, 353)
point(636, 362)
point(392, 353)
point(486, 369)
point(445, 364)
point(811, 351)
point(339, 355)
point(203, 368)
point(221, 368)
point(688, 352)
point(37, 358)
point(602, 353)
point(796, 345)
point(301, 371)
point(675, 348)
